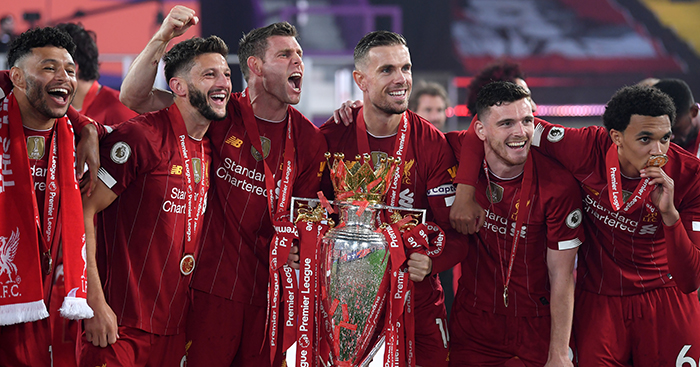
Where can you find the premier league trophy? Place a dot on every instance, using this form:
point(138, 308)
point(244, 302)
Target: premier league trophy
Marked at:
point(353, 259)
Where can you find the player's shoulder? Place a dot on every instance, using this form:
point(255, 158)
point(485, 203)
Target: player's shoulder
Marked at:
point(334, 131)
point(681, 164)
point(152, 127)
point(301, 122)
point(111, 92)
point(551, 174)
point(551, 133)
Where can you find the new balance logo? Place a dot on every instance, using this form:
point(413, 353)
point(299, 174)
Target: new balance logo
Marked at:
point(234, 141)
point(176, 170)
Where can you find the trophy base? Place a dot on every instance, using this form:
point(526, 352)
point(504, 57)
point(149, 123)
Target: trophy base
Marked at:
point(374, 359)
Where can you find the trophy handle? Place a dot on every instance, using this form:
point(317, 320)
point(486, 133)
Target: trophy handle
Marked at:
point(373, 352)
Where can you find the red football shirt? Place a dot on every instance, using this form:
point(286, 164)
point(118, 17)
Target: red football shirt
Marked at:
point(553, 221)
point(237, 228)
point(426, 181)
point(624, 253)
point(141, 234)
point(106, 107)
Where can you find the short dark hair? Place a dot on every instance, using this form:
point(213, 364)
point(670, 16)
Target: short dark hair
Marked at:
point(500, 70)
point(498, 93)
point(254, 43)
point(636, 100)
point(679, 92)
point(376, 39)
point(86, 54)
point(181, 57)
point(38, 37)
point(426, 88)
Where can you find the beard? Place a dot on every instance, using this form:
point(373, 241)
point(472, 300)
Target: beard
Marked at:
point(501, 151)
point(37, 99)
point(391, 109)
point(198, 100)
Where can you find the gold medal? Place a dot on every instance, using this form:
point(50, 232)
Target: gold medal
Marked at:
point(657, 160)
point(187, 264)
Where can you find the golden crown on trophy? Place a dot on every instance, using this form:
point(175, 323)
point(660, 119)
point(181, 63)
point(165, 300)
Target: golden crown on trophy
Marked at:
point(360, 179)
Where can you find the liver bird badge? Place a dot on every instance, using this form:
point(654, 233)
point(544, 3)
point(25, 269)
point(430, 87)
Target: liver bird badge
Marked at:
point(8, 250)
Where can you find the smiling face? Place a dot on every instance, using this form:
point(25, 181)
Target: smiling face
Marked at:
point(386, 79)
point(507, 132)
point(209, 85)
point(49, 80)
point(644, 136)
point(283, 69)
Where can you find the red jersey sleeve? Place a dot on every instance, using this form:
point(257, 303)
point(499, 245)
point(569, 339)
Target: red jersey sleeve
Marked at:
point(683, 238)
point(130, 149)
point(576, 149)
point(551, 140)
point(469, 150)
point(562, 204)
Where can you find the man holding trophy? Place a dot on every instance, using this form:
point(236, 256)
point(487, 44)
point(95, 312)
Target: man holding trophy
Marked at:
point(384, 130)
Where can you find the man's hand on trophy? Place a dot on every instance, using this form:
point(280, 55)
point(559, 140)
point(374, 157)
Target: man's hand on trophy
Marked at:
point(419, 266)
point(293, 258)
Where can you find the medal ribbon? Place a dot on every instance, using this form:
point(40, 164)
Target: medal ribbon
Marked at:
point(394, 355)
point(523, 203)
point(311, 236)
point(51, 202)
point(612, 165)
point(280, 216)
point(194, 216)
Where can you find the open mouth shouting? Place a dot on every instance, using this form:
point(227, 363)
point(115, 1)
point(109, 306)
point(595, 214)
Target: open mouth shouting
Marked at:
point(218, 97)
point(60, 95)
point(294, 81)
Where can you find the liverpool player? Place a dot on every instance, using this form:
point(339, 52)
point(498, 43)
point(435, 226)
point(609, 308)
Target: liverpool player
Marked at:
point(384, 127)
point(528, 194)
point(230, 285)
point(39, 197)
point(151, 199)
point(100, 103)
point(640, 264)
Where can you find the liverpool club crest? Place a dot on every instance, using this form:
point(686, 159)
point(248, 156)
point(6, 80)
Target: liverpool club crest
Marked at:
point(8, 251)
